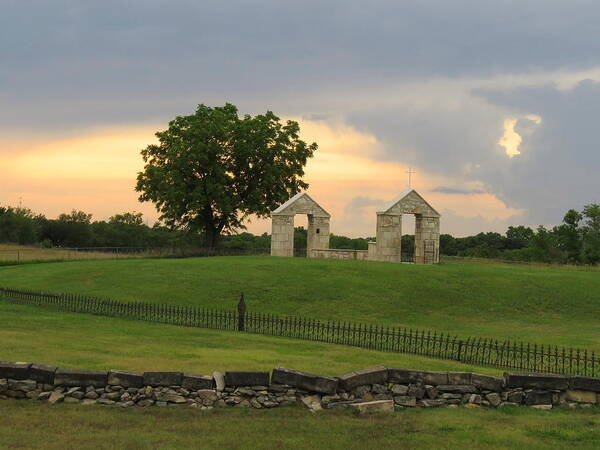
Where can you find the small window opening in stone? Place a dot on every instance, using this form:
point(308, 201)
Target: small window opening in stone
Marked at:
point(317, 231)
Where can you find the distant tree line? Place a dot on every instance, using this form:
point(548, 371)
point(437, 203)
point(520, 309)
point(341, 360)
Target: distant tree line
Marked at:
point(575, 241)
point(76, 229)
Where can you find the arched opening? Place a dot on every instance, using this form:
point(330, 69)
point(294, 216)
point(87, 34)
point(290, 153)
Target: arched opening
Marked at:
point(407, 245)
point(300, 235)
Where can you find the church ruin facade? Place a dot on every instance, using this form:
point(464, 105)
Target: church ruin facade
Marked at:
point(388, 244)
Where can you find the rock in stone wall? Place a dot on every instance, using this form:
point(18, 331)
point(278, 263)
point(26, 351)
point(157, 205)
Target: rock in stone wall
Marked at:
point(366, 390)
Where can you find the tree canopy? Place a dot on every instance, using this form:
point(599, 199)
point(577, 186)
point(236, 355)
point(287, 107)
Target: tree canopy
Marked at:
point(213, 169)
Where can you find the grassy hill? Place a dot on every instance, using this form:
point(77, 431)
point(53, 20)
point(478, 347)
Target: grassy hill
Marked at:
point(550, 305)
point(542, 304)
point(84, 341)
point(73, 340)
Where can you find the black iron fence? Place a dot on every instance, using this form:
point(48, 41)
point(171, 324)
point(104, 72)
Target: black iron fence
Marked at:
point(477, 351)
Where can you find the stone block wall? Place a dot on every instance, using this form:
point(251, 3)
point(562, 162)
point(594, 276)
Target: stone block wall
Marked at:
point(317, 234)
point(427, 240)
point(372, 251)
point(282, 235)
point(360, 255)
point(282, 225)
point(373, 389)
point(388, 237)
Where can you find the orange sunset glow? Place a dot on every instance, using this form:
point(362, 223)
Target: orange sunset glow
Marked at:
point(95, 171)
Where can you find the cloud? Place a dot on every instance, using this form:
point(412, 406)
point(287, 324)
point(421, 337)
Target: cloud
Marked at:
point(559, 161)
point(427, 84)
point(70, 63)
point(459, 225)
point(360, 202)
point(450, 190)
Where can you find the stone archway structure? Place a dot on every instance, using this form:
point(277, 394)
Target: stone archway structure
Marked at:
point(389, 231)
point(282, 226)
point(388, 244)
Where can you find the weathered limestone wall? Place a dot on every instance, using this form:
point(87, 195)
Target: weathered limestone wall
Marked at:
point(317, 234)
point(412, 203)
point(373, 389)
point(360, 255)
point(427, 240)
point(282, 235)
point(372, 251)
point(389, 237)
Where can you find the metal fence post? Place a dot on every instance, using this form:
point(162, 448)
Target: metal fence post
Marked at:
point(241, 314)
point(459, 353)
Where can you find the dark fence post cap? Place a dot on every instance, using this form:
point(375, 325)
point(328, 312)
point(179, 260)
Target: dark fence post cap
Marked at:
point(242, 304)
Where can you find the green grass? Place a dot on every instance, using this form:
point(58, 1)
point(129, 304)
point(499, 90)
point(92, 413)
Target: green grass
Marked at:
point(542, 304)
point(549, 305)
point(12, 254)
point(27, 424)
point(90, 342)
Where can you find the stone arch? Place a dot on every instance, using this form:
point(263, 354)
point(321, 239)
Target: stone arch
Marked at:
point(389, 230)
point(282, 225)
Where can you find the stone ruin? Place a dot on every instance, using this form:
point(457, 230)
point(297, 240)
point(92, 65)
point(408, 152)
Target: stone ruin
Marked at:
point(376, 389)
point(388, 244)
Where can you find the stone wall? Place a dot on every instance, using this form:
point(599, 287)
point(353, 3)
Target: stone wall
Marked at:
point(373, 389)
point(317, 233)
point(282, 226)
point(388, 237)
point(427, 240)
point(332, 253)
point(282, 235)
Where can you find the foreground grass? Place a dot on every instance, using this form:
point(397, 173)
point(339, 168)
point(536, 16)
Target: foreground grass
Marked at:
point(32, 425)
point(549, 305)
point(89, 342)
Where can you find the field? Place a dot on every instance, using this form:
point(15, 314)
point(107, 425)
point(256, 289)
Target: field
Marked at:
point(85, 341)
point(21, 253)
point(546, 305)
point(72, 340)
point(71, 426)
point(538, 304)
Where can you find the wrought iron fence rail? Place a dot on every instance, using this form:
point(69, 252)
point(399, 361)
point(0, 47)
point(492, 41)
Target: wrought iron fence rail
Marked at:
point(473, 350)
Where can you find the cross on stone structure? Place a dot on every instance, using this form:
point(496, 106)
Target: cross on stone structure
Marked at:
point(409, 172)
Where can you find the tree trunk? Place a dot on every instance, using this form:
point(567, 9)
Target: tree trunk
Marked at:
point(211, 237)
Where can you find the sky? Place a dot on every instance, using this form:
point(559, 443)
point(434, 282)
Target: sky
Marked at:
point(493, 104)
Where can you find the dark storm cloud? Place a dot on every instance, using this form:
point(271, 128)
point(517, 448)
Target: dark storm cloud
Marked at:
point(559, 165)
point(64, 63)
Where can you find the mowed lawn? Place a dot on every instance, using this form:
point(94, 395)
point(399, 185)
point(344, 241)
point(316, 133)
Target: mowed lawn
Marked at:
point(370, 292)
point(546, 305)
point(84, 341)
point(31, 425)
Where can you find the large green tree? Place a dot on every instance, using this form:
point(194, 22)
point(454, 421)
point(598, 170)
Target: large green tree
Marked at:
point(213, 169)
point(569, 236)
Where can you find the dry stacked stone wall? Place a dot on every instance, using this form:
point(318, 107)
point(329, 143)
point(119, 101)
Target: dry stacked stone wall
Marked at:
point(373, 389)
